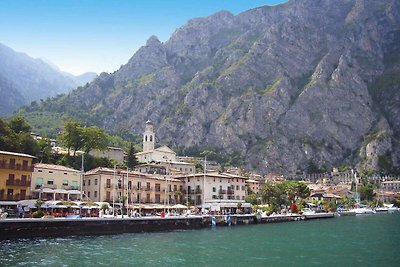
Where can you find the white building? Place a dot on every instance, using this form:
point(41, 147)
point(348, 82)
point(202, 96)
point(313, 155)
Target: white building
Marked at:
point(215, 191)
point(150, 154)
point(55, 182)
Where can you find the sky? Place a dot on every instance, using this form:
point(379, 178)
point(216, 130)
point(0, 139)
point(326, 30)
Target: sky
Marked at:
point(100, 35)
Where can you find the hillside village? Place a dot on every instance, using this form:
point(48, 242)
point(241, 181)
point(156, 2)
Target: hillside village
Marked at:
point(161, 180)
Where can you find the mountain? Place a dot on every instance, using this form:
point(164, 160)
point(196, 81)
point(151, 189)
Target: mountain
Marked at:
point(24, 79)
point(295, 87)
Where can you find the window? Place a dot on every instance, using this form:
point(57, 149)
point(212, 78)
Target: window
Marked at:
point(190, 169)
point(65, 182)
point(95, 193)
point(40, 171)
point(95, 181)
point(158, 188)
point(50, 181)
point(129, 184)
point(39, 181)
point(88, 194)
point(214, 189)
point(158, 200)
point(12, 163)
point(237, 187)
point(148, 198)
point(237, 180)
point(50, 171)
point(74, 185)
point(151, 138)
point(65, 173)
point(88, 182)
point(243, 188)
point(148, 185)
point(242, 197)
point(175, 187)
point(108, 183)
point(214, 197)
point(11, 177)
point(25, 165)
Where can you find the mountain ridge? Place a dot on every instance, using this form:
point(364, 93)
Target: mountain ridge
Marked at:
point(287, 87)
point(28, 79)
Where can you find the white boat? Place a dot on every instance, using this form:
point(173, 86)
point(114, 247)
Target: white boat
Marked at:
point(381, 209)
point(390, 208)
point(363, 210)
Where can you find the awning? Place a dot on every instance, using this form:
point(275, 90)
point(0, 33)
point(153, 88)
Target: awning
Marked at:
point(74, 192)
point(60, 191)
point(179, 206)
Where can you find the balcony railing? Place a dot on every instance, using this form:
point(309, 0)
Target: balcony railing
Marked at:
point(231, 192)
point(18, 182)
point(19, 167)
point(148, 188)
point(198, 191)
point(222, 191)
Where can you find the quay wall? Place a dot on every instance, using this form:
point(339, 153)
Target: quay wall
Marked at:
point(27, 228)
point(56, 227)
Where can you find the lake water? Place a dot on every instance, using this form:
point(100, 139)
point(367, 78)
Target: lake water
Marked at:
point(369, 240)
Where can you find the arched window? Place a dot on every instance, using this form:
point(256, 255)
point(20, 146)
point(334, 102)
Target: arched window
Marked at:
point(151, 138)
point(145, 138)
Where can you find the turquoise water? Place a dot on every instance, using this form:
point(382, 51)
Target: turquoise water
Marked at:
point(370, 240)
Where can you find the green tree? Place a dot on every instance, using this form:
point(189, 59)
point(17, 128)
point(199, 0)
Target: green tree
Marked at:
point(45, 152)
point(366, 192)
point(252, 198)
point(7, 137)
point(72, 137)
point(93, 138)
point(132, 161)
point(19, 125)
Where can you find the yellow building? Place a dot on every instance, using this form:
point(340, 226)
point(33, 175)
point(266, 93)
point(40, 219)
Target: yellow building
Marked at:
point(15, 175)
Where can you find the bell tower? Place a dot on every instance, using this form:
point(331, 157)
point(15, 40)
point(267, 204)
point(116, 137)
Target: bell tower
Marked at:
point(148, 137)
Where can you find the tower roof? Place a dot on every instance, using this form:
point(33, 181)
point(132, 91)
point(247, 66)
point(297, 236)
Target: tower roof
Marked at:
point(149, 122)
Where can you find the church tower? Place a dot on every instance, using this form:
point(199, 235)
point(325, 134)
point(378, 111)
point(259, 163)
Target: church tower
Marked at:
point(148, 137)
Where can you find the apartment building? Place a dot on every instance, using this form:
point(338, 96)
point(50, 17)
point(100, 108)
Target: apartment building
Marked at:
point(15, 175)
point(55, 182)
point(105, 184)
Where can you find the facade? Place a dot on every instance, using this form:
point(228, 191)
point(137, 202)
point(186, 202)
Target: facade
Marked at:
point(253, 185)
point(55, 182)
point(162, 167)
point(105, 184)
point(15, 175)
point(113, 153)
point(391, 186)
point(214, 190)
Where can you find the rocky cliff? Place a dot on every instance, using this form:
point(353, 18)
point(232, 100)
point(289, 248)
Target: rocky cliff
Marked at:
point(285, 86)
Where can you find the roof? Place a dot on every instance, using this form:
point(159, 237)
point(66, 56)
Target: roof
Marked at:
point(165, 149)
point(252, 181)
point(16, 154)
point(54, 167)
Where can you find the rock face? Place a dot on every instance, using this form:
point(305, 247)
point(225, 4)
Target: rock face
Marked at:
point(24, 79)
point(305, 81)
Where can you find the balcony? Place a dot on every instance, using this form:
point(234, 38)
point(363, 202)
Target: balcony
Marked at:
point(18, 182)
point(19, 167)
point(198, 191)
point(108, 186)
point(222, 191)
point(231, 192)
point(148, 188)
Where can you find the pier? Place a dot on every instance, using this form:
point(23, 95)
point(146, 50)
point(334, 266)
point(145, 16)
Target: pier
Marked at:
point(57, 227)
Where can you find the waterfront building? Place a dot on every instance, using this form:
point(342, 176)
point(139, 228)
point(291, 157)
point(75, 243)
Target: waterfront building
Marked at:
point(55, 182)
point(391, 186)
point(253, 186)
point(105, 184)
point(214, 190)
point(15, 175)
